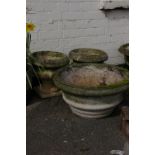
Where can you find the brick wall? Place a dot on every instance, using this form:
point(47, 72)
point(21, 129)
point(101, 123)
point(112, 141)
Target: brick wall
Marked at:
point(63, 25)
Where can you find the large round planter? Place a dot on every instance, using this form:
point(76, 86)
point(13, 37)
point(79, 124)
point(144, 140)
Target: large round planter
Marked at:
point(91, 102)
point(124, 49)
point(88, 55)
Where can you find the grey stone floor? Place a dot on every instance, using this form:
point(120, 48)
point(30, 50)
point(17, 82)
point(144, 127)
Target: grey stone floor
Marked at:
point(52, 129)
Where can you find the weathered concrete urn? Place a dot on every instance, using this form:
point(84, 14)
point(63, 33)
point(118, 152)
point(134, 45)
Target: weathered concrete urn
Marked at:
point(94, 90)
point(88, 55)
point(47, 63)
point(124, 49)
point(50, 59)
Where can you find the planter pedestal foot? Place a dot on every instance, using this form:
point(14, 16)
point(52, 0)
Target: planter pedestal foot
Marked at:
point(92, 107)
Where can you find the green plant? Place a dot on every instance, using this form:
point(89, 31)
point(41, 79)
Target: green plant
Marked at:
point(30, 71)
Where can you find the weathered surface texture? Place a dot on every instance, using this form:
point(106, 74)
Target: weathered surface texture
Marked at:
point(63, 25)
point(52, 129)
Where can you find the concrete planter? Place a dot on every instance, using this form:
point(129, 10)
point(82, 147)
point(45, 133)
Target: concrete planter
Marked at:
point(47, 63)
point(91, 102)
point(92, 107)
point(124, 49)
point(50, 59)
point(88, 55)
point(47, 89)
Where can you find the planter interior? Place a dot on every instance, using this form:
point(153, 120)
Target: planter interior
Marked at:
point(88, 55)
point(95, 79)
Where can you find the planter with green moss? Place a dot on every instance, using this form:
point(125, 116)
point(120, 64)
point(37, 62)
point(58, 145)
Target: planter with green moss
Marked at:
point(47, 89)
point(92, 91)
point(50, 59)
point(124, 49)
point(45, 74)
point(47, 63)
point(88, 55)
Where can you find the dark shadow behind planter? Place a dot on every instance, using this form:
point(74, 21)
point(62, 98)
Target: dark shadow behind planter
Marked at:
point(34, 82)
point(29, 91)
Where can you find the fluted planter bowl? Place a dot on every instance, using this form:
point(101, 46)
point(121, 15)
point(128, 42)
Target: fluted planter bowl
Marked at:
point(88, 55)
point(92, 91)
point(49, 59)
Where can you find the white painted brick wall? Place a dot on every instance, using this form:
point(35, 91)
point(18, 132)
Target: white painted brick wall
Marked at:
point(63, 25)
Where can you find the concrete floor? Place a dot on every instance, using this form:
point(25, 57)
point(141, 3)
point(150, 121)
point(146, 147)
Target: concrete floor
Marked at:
point(52, 129)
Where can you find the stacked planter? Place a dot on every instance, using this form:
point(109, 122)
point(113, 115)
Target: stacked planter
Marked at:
point(88, 55)
point(124, 49)
point(91, 102)
point(46, 64)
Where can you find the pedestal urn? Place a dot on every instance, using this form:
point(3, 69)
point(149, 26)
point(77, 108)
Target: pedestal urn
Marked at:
point(46, 65)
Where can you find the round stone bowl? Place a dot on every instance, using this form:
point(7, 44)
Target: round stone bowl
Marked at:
point(92, 100)
point(124, 49)
point(88, 55)
point(49, 59)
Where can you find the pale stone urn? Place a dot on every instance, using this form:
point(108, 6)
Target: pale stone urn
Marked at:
point(92, 100)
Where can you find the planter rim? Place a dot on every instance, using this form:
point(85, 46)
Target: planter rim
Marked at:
point(89, 91)
point(88, 55)
point(123, 49)
point(62, 61)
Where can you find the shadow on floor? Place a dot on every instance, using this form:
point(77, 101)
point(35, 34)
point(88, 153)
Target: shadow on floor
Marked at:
point(52, 129)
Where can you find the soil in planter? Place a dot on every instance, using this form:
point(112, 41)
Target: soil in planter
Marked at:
point(91, 76)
